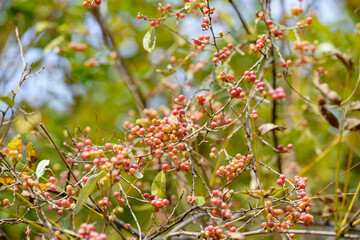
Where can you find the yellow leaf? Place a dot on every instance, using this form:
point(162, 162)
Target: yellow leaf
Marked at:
point(43, 186)
point(31, 155)
point(14, 144)
point(6, 180)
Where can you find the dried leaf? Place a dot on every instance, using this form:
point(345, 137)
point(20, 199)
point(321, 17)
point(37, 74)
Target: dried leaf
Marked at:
point(269, 192)
point(236, 235)
point(325, 90)
point(226, 194)
point(252, 194)
point(14, 144)
point(325, 200)
point(327, 213)
point(341, 196)
point(49, 172)
point(345, 59)
point(267, 127)
point(354, 106)
point(352, 124)
point(2, 154)
point(328, 116)
point(26, 193)
point(31, 154)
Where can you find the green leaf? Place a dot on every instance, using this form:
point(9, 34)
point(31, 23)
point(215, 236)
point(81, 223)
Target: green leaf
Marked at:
point(189, 6)
point(149, 40)
point(158, 187)
point(43, 25)
point(7, 100)
point(199, 201)
point(87, 190)
point(54, 43)
point(40, 169)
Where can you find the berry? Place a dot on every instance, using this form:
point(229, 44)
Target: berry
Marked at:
point(6, 202)
point(165, 167)
point(309, 20)
point(213, 124)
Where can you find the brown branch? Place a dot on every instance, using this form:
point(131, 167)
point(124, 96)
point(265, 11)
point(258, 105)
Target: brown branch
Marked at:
point(120, 63)
point(242, 20)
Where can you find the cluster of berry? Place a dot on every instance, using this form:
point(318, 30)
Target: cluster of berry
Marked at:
point(235, 167)
point(87, 232)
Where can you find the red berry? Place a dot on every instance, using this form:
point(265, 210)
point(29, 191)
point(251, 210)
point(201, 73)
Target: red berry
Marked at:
point(269, 22)
point(165, 166)
point(279, 182)
point(116, 194)
point(6, 202)
point(309, 20)
point(52, 179)
point(213, 124)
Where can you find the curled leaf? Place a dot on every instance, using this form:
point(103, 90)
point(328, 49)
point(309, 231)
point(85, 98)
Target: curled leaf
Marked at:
point(325, 90)
point(328, 116)
point(49, 172)
point(354, 106)
point(267, 127)
point(31, 154)
point(137, 173)
point(252, 194)
point(352, 124)
point(325, 200)
point(269, 192)
point(345, 59)
point(341, 196)
point(158, 187)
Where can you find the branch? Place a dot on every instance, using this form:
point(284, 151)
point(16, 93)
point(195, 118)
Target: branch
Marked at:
point(120, 64)
point(240, 17)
